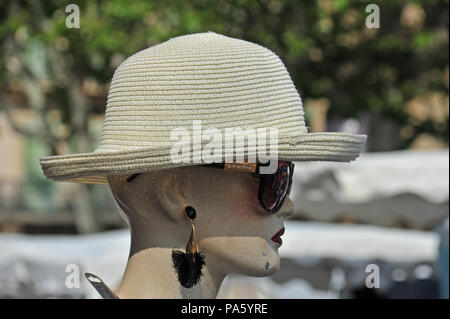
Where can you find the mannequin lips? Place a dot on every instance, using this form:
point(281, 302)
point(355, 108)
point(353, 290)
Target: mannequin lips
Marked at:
point(277, 237)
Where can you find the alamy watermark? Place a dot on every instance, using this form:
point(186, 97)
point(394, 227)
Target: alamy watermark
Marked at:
point(211, 145)
point(73, 19)
point(373, 18)
point(73, 278)
point(373, 278)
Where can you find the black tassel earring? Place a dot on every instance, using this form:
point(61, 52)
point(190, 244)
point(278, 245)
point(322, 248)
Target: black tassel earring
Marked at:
point(189, 264)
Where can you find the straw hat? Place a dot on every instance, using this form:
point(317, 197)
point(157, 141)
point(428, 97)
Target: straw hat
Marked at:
point(221, 81)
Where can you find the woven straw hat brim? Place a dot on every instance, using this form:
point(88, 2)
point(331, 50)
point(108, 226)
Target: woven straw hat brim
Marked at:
point(92, 168)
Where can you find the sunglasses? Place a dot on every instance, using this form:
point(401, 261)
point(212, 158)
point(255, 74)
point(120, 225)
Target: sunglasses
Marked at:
point(273, 188)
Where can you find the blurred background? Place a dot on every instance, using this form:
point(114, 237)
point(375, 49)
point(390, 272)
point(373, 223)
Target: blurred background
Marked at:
point(389, 208)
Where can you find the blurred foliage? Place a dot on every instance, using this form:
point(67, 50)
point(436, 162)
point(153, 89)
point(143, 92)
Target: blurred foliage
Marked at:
point(395, 71)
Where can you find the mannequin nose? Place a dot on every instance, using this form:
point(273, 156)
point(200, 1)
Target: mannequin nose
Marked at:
point(287, 209)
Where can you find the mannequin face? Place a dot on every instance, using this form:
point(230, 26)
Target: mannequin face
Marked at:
point(242, 231)
point(233, 230)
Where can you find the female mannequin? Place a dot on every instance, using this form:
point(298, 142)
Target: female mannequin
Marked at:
point(233, 230)
point(228, 85)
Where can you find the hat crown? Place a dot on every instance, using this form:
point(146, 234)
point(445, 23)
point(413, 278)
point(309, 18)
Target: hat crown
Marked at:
point(221, 81)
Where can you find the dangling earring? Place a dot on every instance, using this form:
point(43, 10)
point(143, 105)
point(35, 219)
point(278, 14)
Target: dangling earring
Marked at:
point(189, 264)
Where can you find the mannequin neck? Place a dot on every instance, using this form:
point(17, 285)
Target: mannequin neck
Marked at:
point(150, 274)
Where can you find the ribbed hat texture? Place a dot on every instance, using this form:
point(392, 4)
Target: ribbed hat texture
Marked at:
point(221, 81)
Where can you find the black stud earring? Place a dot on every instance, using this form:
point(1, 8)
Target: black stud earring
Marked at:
point(189, 264)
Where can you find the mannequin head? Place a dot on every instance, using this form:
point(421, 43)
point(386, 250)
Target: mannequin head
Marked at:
point(233, 230)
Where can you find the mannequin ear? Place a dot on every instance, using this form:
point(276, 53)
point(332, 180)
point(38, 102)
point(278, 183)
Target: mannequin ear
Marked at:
point(171, 193)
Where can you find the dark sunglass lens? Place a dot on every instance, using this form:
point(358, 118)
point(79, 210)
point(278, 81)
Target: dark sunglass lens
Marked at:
point(270, 192)
point(275, 187)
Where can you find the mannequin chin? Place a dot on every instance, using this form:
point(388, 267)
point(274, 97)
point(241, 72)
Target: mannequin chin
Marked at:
point(249, 256)
point(234, 232)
